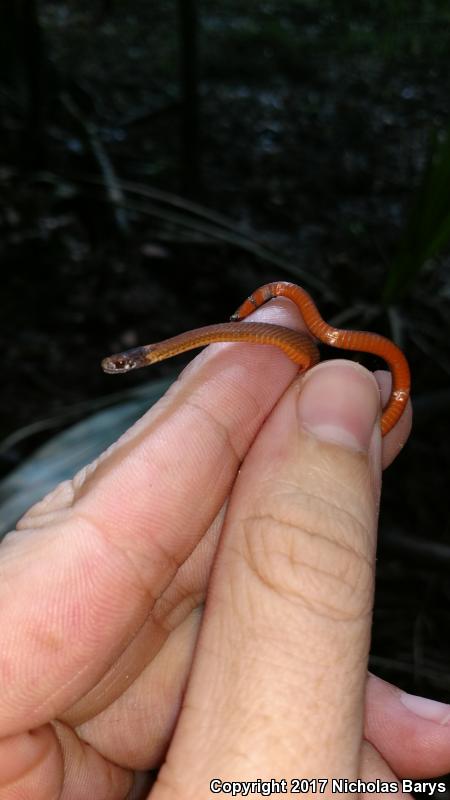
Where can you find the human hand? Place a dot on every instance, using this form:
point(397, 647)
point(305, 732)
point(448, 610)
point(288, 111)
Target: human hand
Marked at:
point(102, 590)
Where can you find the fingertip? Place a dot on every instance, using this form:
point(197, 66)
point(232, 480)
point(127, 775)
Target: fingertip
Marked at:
point(339, 403)
point(411, 732)
point(396, 439)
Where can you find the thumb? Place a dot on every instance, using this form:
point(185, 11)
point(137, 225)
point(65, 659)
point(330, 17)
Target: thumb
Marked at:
point(280, 670)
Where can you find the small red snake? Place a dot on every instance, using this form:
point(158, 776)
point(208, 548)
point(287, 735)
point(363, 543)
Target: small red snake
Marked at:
point(298, 346)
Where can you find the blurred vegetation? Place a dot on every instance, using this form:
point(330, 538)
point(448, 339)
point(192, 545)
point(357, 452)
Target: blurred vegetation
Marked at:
point(160, 160)
point(427, 231)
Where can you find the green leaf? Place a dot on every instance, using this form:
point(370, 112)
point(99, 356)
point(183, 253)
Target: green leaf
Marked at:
point(427, 231)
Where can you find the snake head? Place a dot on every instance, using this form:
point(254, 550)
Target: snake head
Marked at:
point(124, 362)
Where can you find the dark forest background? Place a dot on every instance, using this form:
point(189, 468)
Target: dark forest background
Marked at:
point(159, 160)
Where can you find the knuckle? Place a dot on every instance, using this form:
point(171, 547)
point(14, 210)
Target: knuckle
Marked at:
point(311, 551)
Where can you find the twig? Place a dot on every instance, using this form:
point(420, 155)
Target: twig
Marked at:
point(420, 551)
point(247, 241)
point(110, 179)
point(237, 240)
point(397, 326)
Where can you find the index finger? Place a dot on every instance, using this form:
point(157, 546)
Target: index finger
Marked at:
point(105, 545)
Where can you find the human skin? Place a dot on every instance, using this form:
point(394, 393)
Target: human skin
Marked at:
point(258, 490)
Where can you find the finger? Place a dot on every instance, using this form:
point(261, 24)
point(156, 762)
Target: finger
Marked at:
point(142, 657)
point(157, 690)
point(50, 762)
point(90, 561)
point(376, 772)
point(278, 680)
point(411, 733)
point(148, 710)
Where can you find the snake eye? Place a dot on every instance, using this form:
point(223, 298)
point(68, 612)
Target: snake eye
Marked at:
point(126, 361)
point(117, 363)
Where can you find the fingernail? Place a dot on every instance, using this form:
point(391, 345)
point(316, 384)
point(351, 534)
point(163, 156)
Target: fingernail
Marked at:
point(339, 402)
point(425, 708)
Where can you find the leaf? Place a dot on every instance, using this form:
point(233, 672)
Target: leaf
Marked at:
point(427, 231)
